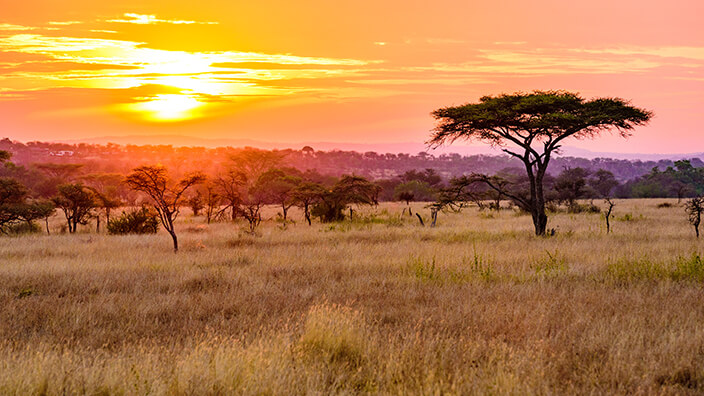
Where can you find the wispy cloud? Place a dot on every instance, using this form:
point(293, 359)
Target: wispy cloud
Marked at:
point(143, 19)
point(11, 27)
point(694, 53)
point(65, 23)
point(105, 63)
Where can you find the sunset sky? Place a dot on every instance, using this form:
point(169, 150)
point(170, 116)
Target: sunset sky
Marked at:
point(357, 72)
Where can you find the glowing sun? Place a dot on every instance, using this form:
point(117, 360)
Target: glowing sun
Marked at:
point(169, 107)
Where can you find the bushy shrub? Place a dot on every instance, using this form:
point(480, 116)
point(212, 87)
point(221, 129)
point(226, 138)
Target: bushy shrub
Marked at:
point(141, 221)
point(23, 228)
point(583, 208)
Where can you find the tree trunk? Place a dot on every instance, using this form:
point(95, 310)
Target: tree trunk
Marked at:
point(306, 212)
point(97, 224)
point(173, 236)
point(537, 200)
point(608, 216)
point(608, 225)
point(46, 222)
point(540, 220)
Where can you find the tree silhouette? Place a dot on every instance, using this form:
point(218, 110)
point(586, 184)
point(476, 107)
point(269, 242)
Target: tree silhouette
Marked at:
point(307, 194)
point(166, 196)
point(348, 190)
point(604, 182)
point(278, 186)
point(694, 208)
point(532, 127)
point(77, 202)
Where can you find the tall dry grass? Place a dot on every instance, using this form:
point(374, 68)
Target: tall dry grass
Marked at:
point(379, 305)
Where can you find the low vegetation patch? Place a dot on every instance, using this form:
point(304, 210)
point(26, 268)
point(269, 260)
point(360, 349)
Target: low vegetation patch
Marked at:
point(645, 269)
point(550, 266)
point(468, 269)
point(140, 221)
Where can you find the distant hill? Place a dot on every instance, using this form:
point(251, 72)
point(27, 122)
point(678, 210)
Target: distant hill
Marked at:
point(373, 161)
point(403, 147)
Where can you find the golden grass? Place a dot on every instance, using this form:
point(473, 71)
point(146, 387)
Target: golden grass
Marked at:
point(380, 305)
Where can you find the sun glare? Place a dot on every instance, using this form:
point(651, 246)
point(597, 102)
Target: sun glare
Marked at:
point(173, 107)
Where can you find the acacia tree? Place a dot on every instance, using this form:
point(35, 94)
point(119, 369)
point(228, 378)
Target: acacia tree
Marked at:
point(77, 202)
point(15, 207)
point(278, 186)
point(570, 185)
point(229, 189)
point(532, 127)
point(694, 208)
point(413, 190)
point(307, 194)
point(167, 196)
point(106, 187)
point(347, 191)
point(212, 200)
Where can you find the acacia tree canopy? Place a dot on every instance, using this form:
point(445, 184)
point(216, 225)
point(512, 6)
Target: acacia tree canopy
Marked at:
point(167, 196)
point(532, 126)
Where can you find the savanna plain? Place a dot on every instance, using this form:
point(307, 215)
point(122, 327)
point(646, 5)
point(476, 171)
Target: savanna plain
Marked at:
point(376, 305)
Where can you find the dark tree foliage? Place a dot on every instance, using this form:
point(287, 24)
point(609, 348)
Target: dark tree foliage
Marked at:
point(570, 185)
point(196, 202)
point(307, 194)
point(682, 180)
point(532, 127)
point(77, 202)
point(603, 183)
point(694, 208)
point(347, 191)
point(414, 190)
point(211, 200)
point(15, 205)
point(140, 221)
point(253, 199)
point(477, 189)
point(229, 186)
point(16, 208)
point(167, 196)
point(428, 176)
point(278, 186)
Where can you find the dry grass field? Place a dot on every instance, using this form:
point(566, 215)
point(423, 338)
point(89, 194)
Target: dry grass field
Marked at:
point(380, 305)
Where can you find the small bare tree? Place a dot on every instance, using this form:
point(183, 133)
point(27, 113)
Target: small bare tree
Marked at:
point(167, 197)
point(611, 205)
point(604, 182)
point(694, 208)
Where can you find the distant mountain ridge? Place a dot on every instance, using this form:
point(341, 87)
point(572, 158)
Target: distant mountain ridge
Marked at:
point(401, 147)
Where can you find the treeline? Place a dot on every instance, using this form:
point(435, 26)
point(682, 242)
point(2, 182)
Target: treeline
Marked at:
point(248, 179)
point(238, 189)
point(113, 158)
point(572, 184)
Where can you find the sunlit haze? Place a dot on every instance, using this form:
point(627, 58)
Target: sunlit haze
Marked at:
point(349, 72)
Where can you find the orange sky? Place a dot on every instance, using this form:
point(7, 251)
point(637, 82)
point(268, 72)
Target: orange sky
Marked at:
point(362, 71)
